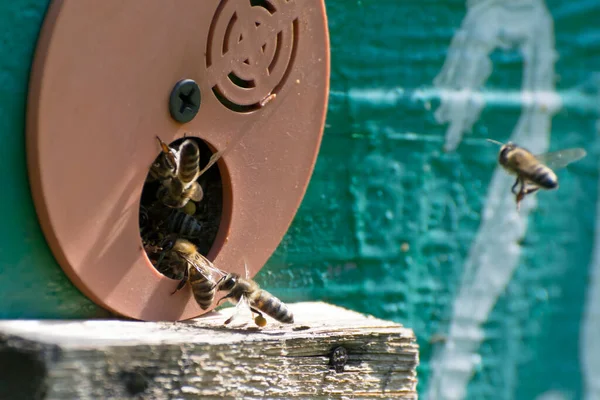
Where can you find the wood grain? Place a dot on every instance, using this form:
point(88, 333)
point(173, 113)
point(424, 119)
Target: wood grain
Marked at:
point(202, 358)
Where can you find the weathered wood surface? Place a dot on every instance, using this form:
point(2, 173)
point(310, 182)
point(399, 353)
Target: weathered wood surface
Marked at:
point(113, 359)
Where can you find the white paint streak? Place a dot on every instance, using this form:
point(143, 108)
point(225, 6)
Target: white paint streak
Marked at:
point(546, 100)
point(589, 350)
point(490, 24)
point(554, 395)
point(493, 257)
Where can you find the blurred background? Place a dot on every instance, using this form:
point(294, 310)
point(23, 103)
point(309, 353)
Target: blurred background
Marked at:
point(407, 216)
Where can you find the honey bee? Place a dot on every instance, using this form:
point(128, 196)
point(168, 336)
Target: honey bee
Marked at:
point(165, 165)
point(534, 172)
point(246, 290)
point(168, 220)
point(177, 190)
point(184, 225)
point(198, 270)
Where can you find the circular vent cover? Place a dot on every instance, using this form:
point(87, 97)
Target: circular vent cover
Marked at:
point(101, 82)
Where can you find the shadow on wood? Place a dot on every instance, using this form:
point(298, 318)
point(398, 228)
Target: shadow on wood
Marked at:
point(330, 352)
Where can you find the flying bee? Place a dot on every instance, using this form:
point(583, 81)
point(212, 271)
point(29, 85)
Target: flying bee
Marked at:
point(165, 165)
point(176, 191)
point(197, 269)
point(534, 172)
point(245, 290)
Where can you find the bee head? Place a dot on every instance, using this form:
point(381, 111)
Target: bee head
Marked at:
point(166, 162)
point(165, 245)
point(228, 282)
point(168, 242)
point(505, 152)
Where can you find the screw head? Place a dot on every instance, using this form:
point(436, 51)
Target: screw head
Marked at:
point(338, 359)
point(184, 101)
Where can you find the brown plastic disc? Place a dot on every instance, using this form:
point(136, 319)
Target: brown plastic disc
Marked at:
point(99, 95)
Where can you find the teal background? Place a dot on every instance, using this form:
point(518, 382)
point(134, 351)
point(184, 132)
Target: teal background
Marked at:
point(389, 218)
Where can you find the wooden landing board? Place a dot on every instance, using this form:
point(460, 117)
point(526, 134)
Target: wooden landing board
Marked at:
point(201, 358)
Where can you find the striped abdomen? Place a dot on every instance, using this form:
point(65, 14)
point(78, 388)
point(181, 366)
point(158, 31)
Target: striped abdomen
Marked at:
point(272, 306)
point(203, 287)
point(189, 161)
point(183, 224)
point(543, 177)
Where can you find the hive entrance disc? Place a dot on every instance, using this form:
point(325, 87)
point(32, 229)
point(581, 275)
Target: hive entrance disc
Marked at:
point(99, 95)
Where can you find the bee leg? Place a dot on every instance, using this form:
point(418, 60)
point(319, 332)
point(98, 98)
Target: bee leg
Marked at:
point(515, 186)
point(260, 321)
point(520, 195)
point(526, 190)
point(183, 281)
point(255, 311)
point(224, 298)
point(160, 259)
point(531, 189)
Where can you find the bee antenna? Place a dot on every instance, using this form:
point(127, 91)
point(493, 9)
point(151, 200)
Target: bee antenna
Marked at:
point(164, 147)
point(495, 141)
point(246, 269)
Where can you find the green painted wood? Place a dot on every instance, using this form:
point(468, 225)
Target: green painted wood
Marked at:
point(382, 180)
point(32, 285)
point(389, 221)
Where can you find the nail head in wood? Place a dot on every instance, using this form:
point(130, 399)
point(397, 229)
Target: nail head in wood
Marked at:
point(339, 357)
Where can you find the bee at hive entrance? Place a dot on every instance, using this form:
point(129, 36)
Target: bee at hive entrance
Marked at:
point(178, 203)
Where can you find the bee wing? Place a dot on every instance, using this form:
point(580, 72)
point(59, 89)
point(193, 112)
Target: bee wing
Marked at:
point(562, 158)
point(213, 159)
point(243, 306)
point(203, 265)
point(197, 192)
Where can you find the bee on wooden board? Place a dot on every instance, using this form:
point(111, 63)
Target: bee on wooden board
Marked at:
point(246, 291)
point(178, 190)
point(534, 172)
point(197, 269)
